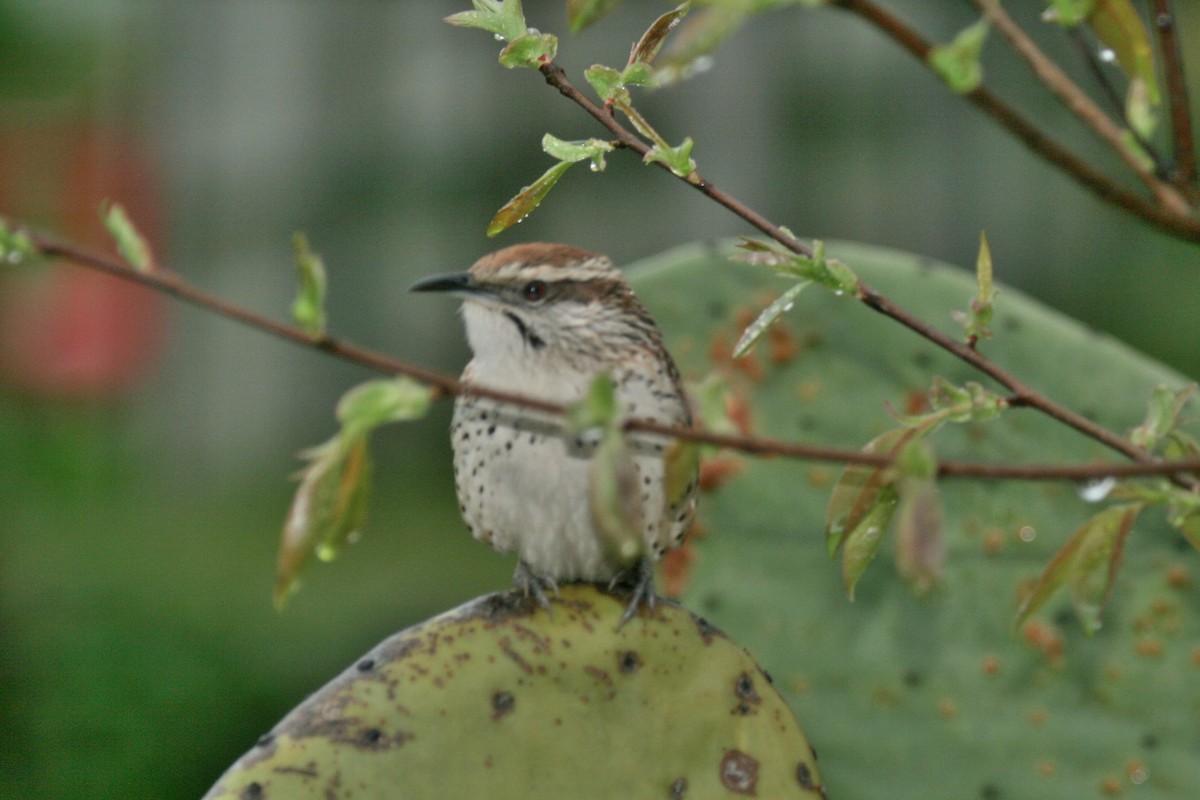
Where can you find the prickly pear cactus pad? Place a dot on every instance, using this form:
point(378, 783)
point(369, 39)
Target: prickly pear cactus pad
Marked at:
point(909, 695)
point(499, 699)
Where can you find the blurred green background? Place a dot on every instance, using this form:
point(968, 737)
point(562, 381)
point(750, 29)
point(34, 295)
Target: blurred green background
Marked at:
point(145, 447)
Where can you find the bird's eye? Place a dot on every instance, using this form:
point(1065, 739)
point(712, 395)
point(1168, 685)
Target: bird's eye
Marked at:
point(534, 290)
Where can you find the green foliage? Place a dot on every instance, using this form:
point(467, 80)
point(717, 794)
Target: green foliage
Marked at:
point(1119, 27)
point(979, 317)
point(1088, 564)
point(501, 698)
point(308, 309)
point(15, 245)
point(331, 502)
point(958, 62)
point(130, 242)
point(911, 695)
point(830, 273)
point(505, 20)
point(582, 13)
point(529, 198)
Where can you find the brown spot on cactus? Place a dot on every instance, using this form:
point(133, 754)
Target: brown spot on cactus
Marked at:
point(748, 700)
point(739, 772)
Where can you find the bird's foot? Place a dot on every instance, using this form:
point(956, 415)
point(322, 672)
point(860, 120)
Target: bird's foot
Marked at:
point(640, 581)
point(531, 583)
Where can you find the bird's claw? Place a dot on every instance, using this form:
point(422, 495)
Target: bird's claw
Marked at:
point(641, 590)
point(530, 583)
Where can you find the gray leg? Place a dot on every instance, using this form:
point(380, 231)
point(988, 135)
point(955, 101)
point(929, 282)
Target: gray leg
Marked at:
point(530, 583)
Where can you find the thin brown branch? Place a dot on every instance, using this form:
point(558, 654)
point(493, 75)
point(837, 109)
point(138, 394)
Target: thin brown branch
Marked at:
point(1082, 106)
point(1022, 395)
point(1185, 227)
point(1184, 145)
point(168, 282)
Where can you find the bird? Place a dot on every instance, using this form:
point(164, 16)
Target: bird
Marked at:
point(543, 321)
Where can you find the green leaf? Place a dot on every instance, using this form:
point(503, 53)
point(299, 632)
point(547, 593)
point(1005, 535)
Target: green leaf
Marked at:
point(1087, 563)
point(327, 510)
point(1119, 27)
point(712, 397)
point(976, 321)
point(864, 496)
point(378, 402)
point(677, 159)
point(607, 83)
point(766, 319)
point(830, 273)
point(308, 309)
point(529, 50)
point(15, 245)
point(637, 74)
point(652, 40)
point(1068, 13)
point(582, 13)
point(131, 244)
point(331, 503)
point(970, 402)
point(958, 62)
point(1162, 415)
point(598, 408)
point(526, 200)
point(614, 497)
point(576, 151)
point(681, 466)
point(862, 541)
point(503, 18)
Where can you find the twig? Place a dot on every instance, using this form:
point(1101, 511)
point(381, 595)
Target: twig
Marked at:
point(167, 282)
point(1077, 101)
point(1184, 173)
point(1185, 227)
point(1022, 394)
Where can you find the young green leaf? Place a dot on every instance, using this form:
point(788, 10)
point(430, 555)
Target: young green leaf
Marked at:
point(598, 408)
point(958, 62)
point(862, 541)
point(131, 244)
point(595, 149)
point(1068, 13)
point(607, 84)
point(526, 200)
point(681, 467)
point(712, 399)
point(308, 309)
point(378, 402)
point(767, 318)
point(1118, 25)
point(327, 511)
point(864, 495)
point(15, 245)
point(1087, 564)
point(615, 499)
point(331, 501)
point(976, 321)
point(531, 49)
point(652, 40)
point(678, 159)
point(582, 13)
point(504, 18)
point(829, 272)
point(1162, 415)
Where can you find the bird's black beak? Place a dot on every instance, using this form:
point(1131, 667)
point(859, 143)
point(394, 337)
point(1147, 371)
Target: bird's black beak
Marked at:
point(458, 283)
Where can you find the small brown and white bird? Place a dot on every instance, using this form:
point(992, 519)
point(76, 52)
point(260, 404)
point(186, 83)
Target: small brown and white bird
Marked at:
point(543, 320)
